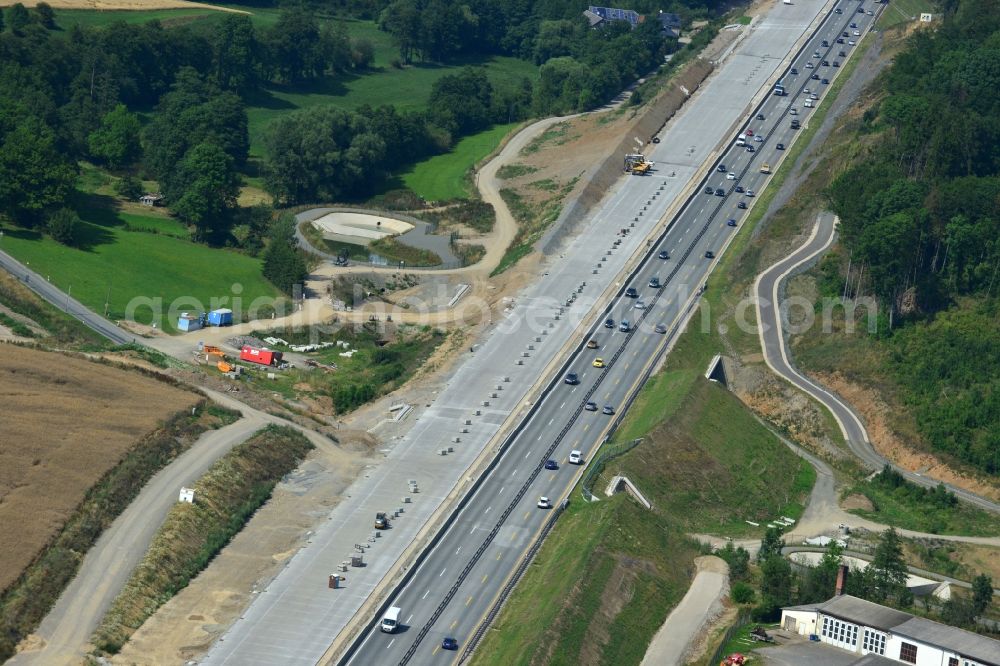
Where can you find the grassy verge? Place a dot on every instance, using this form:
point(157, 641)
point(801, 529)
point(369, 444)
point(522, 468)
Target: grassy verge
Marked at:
point(61, 329)
point(25, 603)
point(445, 177)
point(395, 251)
point(225, 499)
point(601, 584)
point(373, 369)
point(903, 11)
point(532, 218)
point(474, 214)
point(912, 507)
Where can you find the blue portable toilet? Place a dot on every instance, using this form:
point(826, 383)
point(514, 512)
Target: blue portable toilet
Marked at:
point(188, 322)
point(220, 317)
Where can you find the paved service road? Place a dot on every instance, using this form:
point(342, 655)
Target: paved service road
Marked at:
point(452, 589)
point(767, 291)
point(62, 301)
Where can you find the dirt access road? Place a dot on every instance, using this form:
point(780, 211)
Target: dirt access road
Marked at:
point(63, 636)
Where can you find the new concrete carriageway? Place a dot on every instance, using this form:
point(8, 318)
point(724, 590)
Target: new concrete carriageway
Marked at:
point(457, 580)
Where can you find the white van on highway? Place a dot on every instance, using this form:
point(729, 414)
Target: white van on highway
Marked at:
point(390, 621)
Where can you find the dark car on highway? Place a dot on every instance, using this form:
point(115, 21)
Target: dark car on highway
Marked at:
point(721, 168)
point(760, 116)
point(825, 82)
point(709, 190)
point(608, 409)
point(609, 323)
point(551, 464)
point(739, 188)
point(591, 406)
point(632, 292)
point(572, 378)
point(794, 71)
point(449, 643)
point(780, 146)
point(663, 254)
point(709, 254)
point(731, 222)
point(742, 204)
point(719, 192)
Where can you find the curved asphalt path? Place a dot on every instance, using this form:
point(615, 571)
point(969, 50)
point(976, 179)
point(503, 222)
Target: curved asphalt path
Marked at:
point(772, 341)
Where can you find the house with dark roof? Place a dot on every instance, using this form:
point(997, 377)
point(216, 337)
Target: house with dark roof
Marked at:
point(885, 635)
point(670, 24)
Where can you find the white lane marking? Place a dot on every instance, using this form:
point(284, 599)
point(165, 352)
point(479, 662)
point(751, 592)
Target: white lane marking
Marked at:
point(527, 454)
point(390, 644)
point(409, 618)
point(442, 572)
point(501, 490)
point(474, 527)
point(487, 509)
point(458, 549)
point(562, 405)
point(550, 422)
point(425, 594)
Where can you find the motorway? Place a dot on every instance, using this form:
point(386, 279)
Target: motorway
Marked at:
point(458, 580)
point(767, 291)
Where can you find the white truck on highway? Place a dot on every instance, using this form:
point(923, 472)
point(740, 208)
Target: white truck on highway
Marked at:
point(390, 621)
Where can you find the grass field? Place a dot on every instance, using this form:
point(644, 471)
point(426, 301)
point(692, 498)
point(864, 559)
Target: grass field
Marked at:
point(134, 264)
point(902, 510)
point(444, 177)
point(96, 18)
point(407, 89)
point(901, 11)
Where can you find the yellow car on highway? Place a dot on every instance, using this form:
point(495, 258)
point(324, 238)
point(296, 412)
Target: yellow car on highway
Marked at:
point(598, 362)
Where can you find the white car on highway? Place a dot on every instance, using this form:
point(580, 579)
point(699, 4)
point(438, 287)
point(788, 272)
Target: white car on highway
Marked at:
point(544, 503)
point(575, 457)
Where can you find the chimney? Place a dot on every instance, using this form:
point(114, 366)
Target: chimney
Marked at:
point(841, 579)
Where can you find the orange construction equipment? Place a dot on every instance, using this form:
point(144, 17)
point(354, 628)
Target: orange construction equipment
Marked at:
point(224, 367)
point(212, 350)
point(735, 659)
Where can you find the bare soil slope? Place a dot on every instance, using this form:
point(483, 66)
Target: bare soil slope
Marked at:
point(66, 422)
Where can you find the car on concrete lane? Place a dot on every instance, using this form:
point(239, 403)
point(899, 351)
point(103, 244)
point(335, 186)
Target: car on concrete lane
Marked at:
point(731, 223)
point(572, 378)
point(608, 409)
point(870, 13)
point(750, 149)
point(551, 464)
point(598, 363)
point(721, 168)
point(840, 40)
point(632, 292)
point(843, 54)
point(750, 193)
point(625, 326)
point(794, 71)
point(592, 344)
point(838, 10)
point(814, 77)
point(544, 503)
point(742, 205)
point(654, 282)
point(749, 132)
point(809, 65)
point(825, 81)
point(640, 305)
point(719, 192)
point(759, 139)
point(575, 457)
point(851, 42)
point(731, 175)
point(660, 328)
point(709, 254)
point(709, 190)
point(739, 188)
point(591, 406)
point(856, 33)
point(836, 63)
point(663, 254)
point(609, 323)
point(449, 643)
point(780, 146)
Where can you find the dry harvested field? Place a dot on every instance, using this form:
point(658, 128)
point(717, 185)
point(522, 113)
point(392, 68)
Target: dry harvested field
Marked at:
point(66, 421)
point(119, 5)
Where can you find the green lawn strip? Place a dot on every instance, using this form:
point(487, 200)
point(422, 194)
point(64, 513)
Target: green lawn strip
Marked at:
point(901, 11)
point(167, 226)
point(97, 18)
point(226, 497)
point(396, 251)
point(599, 556)
point(900, 508)
point(445, 177)
point(140, 265)
point(408, 89)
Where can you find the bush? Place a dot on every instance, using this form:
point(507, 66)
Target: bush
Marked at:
point(742, 593)
point(63, 225)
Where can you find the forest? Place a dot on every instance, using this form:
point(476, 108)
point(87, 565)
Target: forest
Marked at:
point(169, 104)
point(921, 230)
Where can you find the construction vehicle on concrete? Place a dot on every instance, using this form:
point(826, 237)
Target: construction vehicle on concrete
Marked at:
point(636, 164)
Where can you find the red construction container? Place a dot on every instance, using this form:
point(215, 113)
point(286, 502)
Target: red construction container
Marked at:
point(262, 356)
